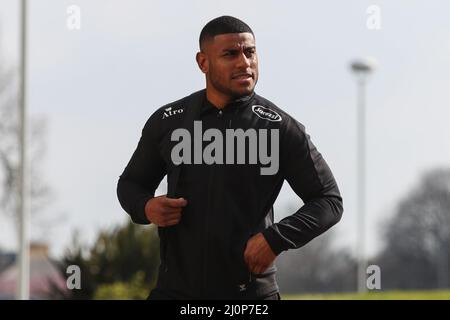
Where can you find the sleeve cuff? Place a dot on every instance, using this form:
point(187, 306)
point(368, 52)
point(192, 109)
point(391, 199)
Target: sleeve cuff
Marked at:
point(274, 239)
point(140, 217)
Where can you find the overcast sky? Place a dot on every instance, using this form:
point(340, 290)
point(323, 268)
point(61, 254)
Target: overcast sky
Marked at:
point(98, 85)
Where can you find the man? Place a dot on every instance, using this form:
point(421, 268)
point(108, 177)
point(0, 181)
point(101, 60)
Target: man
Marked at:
point(217, 230)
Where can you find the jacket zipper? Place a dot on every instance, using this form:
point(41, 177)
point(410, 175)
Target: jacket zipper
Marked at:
point(163, 247)
point(206, 236)
point(206, 229)
point(244, 286)
point(232, 117)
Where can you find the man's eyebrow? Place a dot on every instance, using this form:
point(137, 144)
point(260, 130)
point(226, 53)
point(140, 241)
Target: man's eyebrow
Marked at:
point(230, 50)
point(236, 49)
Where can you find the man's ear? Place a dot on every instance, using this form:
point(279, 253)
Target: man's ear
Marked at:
point(202, 61)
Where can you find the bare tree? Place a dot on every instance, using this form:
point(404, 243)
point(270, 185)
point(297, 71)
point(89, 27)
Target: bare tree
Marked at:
point(417, 243)
point(39, 191)
point(319, 266)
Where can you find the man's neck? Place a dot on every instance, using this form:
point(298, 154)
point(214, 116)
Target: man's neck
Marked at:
point(220, 100)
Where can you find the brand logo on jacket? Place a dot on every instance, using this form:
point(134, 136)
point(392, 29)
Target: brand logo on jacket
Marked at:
point(168, 112)
point(266, 113)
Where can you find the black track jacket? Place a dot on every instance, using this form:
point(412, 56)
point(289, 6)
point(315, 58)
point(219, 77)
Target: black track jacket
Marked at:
point(203, 256)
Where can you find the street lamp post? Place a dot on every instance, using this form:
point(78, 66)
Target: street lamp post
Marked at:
point(23, 280)
point(361, 69)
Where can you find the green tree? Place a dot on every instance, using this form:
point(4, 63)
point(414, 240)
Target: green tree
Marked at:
point(122, 263)
point(133, 289)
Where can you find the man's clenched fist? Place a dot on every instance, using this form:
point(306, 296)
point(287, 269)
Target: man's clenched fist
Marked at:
point(163, 211)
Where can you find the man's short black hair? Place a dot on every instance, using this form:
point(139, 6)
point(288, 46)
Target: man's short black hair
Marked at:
point(222, 25)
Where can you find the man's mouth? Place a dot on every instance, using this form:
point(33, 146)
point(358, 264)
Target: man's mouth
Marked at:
point(242, 76)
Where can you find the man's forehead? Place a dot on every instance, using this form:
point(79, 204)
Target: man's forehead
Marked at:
point(234, 40)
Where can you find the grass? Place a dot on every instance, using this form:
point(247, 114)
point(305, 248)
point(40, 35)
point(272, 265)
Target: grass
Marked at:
point(374, 295)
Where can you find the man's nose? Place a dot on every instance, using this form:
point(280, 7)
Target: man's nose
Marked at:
point(243, 61)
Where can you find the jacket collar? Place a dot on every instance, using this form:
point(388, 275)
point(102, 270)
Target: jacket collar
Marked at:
point(239, 103)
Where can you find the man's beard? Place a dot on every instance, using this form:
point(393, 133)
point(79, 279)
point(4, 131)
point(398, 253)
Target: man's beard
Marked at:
point(228, 91)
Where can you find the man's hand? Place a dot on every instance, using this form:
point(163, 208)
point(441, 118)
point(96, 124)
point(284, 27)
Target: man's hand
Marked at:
point(258, 255)
point(163, 211)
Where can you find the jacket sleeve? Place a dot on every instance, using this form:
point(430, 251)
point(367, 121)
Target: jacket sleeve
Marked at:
point(312, 180)
point(144, 172)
